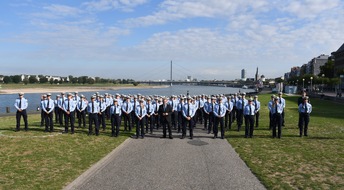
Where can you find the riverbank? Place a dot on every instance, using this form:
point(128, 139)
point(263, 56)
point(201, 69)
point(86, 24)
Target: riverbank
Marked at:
point(69, 88)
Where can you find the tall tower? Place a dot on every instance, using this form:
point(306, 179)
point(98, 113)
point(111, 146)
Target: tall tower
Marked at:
point(257, 75)
point(243, 74)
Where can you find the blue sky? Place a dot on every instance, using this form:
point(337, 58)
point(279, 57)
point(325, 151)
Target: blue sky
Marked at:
point(138, 38)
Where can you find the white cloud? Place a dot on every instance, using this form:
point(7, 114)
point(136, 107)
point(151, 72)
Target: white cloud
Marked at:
point(103, 5)
point(311, 8)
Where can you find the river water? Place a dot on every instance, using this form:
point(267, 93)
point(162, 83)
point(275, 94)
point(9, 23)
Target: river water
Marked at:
point(7, 100)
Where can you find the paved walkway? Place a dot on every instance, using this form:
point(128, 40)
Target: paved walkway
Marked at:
point(154, 163)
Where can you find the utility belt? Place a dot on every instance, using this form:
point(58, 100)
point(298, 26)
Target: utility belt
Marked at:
point(48, 109)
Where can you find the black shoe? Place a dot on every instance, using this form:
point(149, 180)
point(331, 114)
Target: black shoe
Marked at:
point(163, 137)
point(214, 137)
point(222, 138)
point(191, 138)
point(142, 137)
point(182, 137)
point(170, 137)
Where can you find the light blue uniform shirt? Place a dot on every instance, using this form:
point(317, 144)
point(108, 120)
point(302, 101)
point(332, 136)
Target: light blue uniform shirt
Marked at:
point(207, 107)
point(271, 102)
point(45, 105)
point(24, 104)
point(141, 112)
point(115, 109)
point(72, 105)
point(279, 108)
point(222, 109)
point(256, 104)
point(240, 104)
point(189, 110)
point(180, 107)
point(150, 108)
point(229, 105)
point(248, 111)
point(127, 107)
point(102, 105)
point(302, 108)
point(82, 105)
point(96, 107)
point(282, 101)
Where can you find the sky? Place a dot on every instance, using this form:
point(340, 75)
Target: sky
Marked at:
point(138, 39)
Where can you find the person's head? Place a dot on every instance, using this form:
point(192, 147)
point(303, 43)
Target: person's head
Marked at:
point(303, 93)
point(280, 94)
point(93, 98)
point(44, 96)
point(21, 95)
point(255, 97)
point(250, 101)
point(273, 97)
point(141, 103)
point(48, 96)
point(276, 99)
point(58, 97)
point(189, 99)
point(305, 99)
point(115, 102)
point(165, 100)
point(219, 100)
point(70, 95)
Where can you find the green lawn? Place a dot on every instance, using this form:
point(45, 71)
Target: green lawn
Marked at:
point(30, 160)
point(313, 162)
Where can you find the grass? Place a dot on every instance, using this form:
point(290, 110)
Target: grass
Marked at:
point(313, 162)
point(30, 160)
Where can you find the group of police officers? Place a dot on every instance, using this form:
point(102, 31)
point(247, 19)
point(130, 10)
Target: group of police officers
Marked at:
point(154, 112)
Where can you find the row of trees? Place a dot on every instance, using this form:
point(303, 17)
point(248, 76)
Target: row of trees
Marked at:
point(16, 79)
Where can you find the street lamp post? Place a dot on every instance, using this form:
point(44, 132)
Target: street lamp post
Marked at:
point(311, 84)
point(303, 84)
point(322, 86)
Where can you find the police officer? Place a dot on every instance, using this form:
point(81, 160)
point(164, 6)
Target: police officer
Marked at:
point(180, 113)
point(174, 116)
point(241, 103)
point(21, 105)
point(270, 104)
point(165, 111)
point(219, 113)
point(126, 110)
point(234, 112)
point(43, 98)
point(150, 115)
point(48, 108)
point(277, 110)
point(61, 110)
point(102, 114)
point(207, 109)
point(69, 108)
point(282, 102)
point(115, 113)
point(249, 112)
point(211, 115)
point(135, 104)
point(156, 112)
point(256, 104)
point(81, 111)
point(188, 113)
point(140, 113)
point(57, 109)
point(93, 110)
point(229, 109)
point(305, 109)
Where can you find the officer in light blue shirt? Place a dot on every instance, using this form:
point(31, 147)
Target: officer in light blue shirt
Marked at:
point(102, 112)
point(189, 112)
point(207, 110)
point(150, 115)
point(271, 102)
point(256, 104)
point(93, 110)
point(249, 112)
point(21, 105)
point(81, 111)
point(48, 108)
point(127, 108)
point(174, 116)
point(69, 106)
point(180, 114)
point(140, 113)
point(305, 109)
point(282, 102)
point(219, 113)
point(277, 110)
point(57, 108)
point(115, 113)
point(241, 103)
point(229, 109)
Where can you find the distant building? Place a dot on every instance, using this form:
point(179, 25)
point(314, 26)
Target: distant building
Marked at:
point(243, 74)
point(262, 78)
point(295, 72)
point(313, 66)
point(339, 59)
point(257, 75)
point(189, 78)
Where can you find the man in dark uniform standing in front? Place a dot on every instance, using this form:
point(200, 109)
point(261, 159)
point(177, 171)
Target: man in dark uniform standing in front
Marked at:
point(165, 111)
point(21, 105)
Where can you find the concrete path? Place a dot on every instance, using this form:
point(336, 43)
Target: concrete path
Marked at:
point(154, 163)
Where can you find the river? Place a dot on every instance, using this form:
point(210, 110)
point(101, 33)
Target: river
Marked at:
point(7, 100)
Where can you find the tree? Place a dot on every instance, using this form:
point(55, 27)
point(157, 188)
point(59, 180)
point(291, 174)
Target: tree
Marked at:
point(33, 80)
point(51, 81)
point(26, 81)
point(136, 83)
point(43, 79)
point(90, 81)
point(56, 81)
point(327, 69)
point(16, 79)
point(7, 79)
